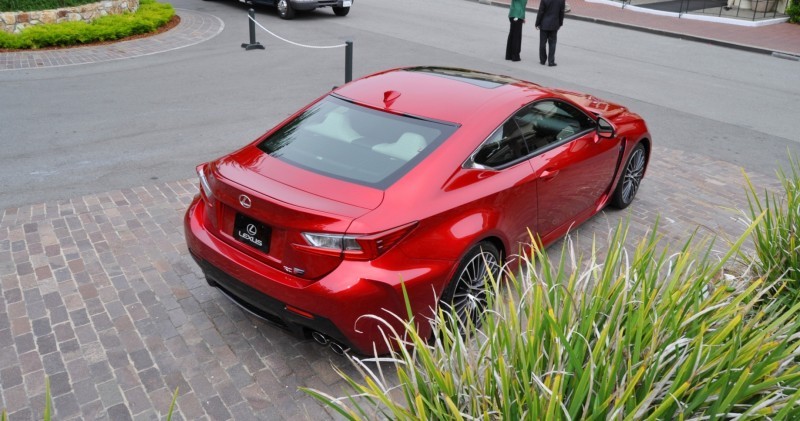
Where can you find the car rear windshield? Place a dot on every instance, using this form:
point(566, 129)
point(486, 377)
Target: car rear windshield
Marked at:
point(347, 141)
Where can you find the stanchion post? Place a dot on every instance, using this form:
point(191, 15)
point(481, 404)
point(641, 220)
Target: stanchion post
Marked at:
point(348, 61)
point(253, 45)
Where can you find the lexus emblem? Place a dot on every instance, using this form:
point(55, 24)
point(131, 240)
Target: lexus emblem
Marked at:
point(251, 229)
point(245, 201)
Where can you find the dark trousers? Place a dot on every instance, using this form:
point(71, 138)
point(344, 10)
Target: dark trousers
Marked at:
point(514, 44)
point(547, 38)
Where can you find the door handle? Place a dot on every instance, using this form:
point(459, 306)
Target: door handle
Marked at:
point(549, 174)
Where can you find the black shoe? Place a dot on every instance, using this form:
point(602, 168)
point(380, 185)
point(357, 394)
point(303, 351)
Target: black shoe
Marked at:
point(552, 65)
point(515, 59)
point(542, 63)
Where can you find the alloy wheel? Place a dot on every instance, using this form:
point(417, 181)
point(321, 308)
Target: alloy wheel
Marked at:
point(469, 297)
point(634, 172)
point(283, 7)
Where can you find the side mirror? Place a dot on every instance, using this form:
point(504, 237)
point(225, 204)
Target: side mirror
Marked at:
point(604, 129)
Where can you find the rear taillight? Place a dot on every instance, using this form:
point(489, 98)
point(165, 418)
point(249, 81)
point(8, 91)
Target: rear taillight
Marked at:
point(205, 187)
point(354, 247)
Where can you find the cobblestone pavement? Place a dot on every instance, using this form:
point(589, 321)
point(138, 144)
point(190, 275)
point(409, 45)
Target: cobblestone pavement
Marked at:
point(195, 27)
point(100, 296)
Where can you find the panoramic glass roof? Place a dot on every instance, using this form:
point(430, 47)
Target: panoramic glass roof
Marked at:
point(483, 80)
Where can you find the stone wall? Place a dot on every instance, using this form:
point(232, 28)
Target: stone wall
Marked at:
point(14, 22)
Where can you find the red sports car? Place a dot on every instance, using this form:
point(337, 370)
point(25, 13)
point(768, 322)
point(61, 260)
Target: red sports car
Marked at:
point(423, 176)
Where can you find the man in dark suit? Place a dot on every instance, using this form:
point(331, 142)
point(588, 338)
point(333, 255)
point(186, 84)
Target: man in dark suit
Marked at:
point(549, 19)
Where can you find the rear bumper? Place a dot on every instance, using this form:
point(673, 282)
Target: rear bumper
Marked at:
point(266, 307)
point(339, 306)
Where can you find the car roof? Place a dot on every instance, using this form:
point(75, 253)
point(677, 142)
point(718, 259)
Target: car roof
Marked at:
point(441, 93)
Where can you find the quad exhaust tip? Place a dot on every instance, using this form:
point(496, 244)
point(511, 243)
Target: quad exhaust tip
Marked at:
point(337, 348)
point(320, 338)
point(324, 340)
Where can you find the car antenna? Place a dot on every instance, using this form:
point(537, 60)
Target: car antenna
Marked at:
point(389, 97)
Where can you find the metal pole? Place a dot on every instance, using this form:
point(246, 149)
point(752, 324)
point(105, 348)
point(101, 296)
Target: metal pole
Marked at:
point(252, 14)
point(253, 45)
point(348, 61)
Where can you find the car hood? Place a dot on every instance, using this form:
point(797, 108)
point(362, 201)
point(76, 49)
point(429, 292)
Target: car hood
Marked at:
point(598, 106)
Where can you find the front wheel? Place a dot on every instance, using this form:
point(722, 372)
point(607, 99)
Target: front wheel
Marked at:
point(465, 295)
point(632, 175)
point(285, 10)
point(341, 11)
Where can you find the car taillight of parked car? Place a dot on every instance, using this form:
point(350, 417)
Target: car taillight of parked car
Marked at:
point(354, 247)
point(205, 186)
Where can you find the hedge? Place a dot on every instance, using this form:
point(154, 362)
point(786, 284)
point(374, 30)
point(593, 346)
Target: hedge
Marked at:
point(28, 5)
point(150, 16)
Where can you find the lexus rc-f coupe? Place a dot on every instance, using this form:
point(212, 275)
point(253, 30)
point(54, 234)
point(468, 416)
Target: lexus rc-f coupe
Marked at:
point(423, 179)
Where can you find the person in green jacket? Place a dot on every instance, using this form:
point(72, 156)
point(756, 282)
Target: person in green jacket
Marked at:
point(516, 16)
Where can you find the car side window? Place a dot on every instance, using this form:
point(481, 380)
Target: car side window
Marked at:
point(555, 122)
point(506, 144)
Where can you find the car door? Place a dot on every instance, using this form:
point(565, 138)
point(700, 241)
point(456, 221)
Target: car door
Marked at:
point(504, 155)
point(573, 167)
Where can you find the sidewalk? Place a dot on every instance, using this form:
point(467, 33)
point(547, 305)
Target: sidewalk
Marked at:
point(781, 39)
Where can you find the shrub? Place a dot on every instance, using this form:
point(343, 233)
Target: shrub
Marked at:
point(150, 16)
point(28, 5)
point(793, 10)
point(641, 335)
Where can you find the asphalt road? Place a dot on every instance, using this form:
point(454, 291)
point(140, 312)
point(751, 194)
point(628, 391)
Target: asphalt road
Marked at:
point(76, 130)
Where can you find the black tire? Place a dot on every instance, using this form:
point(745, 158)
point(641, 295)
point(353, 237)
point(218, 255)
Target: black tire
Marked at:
point(341, 11)
point(285, 10)
point(632, 174)
point(466, 292)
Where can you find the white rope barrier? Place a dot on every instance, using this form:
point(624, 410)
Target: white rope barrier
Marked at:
point(292, 42)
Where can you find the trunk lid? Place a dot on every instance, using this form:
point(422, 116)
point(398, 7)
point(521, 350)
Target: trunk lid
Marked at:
point(265, 205)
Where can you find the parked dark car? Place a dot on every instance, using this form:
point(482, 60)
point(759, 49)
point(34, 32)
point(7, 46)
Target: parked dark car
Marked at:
point(286, 8)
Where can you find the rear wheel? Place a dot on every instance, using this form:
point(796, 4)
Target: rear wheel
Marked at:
point(632, 175)
point(466, 293)
point(285, 10)
point(341, 11)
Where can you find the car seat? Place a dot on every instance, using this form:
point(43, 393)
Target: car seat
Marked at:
point(407, 146)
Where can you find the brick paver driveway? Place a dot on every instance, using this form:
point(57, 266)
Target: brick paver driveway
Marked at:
point(101, 296)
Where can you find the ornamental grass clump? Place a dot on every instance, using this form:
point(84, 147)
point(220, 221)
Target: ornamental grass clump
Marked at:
point(639, 335)
point(776, 237)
